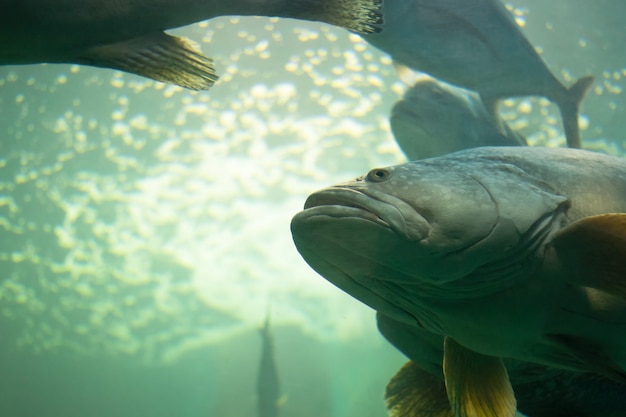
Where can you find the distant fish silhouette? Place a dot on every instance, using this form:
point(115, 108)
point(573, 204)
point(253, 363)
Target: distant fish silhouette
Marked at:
point(475, 44)
point(434, 118)
point(268, 385)
point(128, 35)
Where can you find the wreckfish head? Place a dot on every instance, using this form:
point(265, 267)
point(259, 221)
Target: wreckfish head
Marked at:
point(425, 229)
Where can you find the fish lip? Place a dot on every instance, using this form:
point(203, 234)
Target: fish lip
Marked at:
point(377, 207)
point(348, 202)
point(338, 211)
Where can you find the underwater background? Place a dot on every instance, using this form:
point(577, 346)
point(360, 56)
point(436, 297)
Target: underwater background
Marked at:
point(144, 229)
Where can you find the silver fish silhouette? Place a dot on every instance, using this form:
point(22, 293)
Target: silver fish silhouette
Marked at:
point(129, 36)
point(475, 44)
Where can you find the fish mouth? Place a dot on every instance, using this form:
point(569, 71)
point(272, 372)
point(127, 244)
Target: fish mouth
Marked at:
point(354, 237)
point(380, 208)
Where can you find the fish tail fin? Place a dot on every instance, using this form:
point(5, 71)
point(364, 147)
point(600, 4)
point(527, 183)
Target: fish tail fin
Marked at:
point(580, 89)
point(569, 107)
point(158, 56)
point(360, 16)
point(413, 391)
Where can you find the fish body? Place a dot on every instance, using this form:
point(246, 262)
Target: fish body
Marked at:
point(505, 252)
point(128, 35)
point(540, 391)
point(475, 44)
point(267, 383)
point(435, 118)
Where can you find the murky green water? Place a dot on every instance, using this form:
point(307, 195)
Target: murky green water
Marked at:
point(144, 229)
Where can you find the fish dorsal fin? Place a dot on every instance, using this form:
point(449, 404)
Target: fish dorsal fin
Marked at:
point(413, 392)
point(408, 76)
point(593, 252)
point(159, 56)
point(477, 385)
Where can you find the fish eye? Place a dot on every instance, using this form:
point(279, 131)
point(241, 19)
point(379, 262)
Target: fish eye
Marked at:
point(378, 175)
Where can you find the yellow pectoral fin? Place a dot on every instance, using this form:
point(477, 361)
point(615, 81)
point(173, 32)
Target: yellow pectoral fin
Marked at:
point(477, 385)
point(593, 252)
point(413, 392)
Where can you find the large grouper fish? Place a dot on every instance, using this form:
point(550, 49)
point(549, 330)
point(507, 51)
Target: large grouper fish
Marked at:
point(128, 35)
point(503, 252)
point(475, 44)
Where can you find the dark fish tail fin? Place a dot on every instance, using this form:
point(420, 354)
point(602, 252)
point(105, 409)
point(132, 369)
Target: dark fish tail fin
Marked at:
point(569, 106)
point(413, 391)
point(360, 16)
point(158, 56)
point(581, 88)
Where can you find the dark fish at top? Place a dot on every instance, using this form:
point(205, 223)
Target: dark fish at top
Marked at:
point(503, 252)
point(128, 35)
point(267, 383)
point(477, 45)
point(540, 391)
point(434, 118)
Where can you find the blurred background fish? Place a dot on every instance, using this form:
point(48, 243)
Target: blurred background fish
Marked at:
point(475, 44)
point(434, 118)
point(268, 387)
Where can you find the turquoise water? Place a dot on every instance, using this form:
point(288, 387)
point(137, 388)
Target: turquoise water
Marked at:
point(145, 228)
